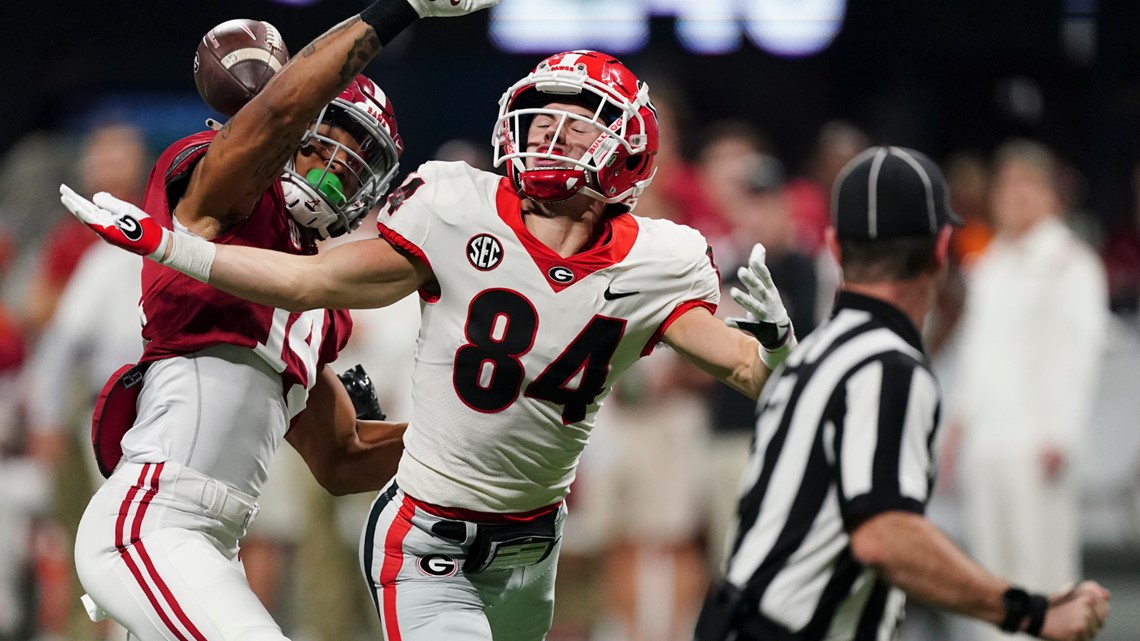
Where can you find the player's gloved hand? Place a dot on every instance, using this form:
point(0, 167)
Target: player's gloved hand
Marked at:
point(448, 8)
point(124, 225)
point(390, 17)
point(767, 319)
point(117, 222)
point(362, 393)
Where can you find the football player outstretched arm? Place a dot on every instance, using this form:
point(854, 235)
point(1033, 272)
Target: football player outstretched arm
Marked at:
point(356, 455)
point(252, 148)
point(742, 359)
point(729, 355)
point(356, 275)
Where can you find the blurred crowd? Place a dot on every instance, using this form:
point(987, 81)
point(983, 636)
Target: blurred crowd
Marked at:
point(656, 492)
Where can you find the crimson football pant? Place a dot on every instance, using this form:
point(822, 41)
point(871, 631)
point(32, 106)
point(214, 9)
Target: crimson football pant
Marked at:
point(157, 549)
point(421, 592)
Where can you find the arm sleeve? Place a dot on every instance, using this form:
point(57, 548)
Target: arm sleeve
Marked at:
point(406, 219)
point(706, 280)
point(884, 417)
point(703, 277)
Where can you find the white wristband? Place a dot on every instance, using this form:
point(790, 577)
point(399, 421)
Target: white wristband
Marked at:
point(190, 255)
point(773, 358)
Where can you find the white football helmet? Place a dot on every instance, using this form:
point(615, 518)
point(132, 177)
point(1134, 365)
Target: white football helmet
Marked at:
point(322, 200)
point(620, 163)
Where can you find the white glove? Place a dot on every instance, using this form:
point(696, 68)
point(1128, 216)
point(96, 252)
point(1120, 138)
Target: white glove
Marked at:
point(449, 8)
point(767, 319)
point(124, 225)
point(117, 222)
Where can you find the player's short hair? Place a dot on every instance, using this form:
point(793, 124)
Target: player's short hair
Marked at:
point(887, 259)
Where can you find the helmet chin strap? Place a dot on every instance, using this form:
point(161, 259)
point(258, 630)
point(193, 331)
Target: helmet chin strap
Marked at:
point(552, 185)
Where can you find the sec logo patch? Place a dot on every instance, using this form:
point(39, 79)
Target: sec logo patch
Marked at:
point(437, 565)
point(484, 252)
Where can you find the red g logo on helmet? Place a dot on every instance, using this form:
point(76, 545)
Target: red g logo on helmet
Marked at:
point(618, 166)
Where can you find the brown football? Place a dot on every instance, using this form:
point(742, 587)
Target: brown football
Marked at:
point(235, 60)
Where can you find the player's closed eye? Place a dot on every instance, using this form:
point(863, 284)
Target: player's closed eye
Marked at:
point(579, 127)
point(543, 123)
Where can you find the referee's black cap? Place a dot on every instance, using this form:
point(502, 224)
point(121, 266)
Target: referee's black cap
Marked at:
point(890, 192)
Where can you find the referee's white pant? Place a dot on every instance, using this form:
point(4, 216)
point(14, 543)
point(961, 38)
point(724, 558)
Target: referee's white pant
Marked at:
point(421, 593)
point(157, 549)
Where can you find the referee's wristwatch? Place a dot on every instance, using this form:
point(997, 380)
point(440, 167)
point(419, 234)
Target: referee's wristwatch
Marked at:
point(1024, 612)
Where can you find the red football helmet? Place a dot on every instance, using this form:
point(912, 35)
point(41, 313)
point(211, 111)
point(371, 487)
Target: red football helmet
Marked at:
point(618, 166)
point(323, 201)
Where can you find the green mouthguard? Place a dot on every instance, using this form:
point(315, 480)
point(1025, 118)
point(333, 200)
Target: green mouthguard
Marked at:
point(328, 184)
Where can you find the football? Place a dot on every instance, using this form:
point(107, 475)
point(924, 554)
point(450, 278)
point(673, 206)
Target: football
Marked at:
point(235, 60)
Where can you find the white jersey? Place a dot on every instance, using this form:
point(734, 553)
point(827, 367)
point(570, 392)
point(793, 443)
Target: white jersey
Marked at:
point(520, 346)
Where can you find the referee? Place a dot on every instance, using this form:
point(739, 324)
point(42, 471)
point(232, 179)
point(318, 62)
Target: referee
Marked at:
point(831, 535)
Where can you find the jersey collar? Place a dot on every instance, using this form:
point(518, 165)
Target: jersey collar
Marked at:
point(612, 246)
point(886, 313)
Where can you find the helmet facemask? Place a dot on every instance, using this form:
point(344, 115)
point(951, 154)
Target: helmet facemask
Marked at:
point(618, 119)
point(334, 197)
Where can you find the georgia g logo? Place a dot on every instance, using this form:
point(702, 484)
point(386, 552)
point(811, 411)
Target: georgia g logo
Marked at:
point(437, 565)
point(130, 228)
point(560, 274)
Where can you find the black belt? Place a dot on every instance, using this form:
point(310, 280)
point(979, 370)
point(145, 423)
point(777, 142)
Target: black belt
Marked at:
point(503, 545)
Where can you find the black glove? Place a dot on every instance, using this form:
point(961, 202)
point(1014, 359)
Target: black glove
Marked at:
point(362, 393)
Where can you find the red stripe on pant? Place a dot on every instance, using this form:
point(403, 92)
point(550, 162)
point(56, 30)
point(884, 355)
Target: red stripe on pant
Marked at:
point(137, 544)
point(393, 561)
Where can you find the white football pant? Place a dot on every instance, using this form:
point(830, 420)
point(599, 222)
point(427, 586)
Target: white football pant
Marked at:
point(157, 549)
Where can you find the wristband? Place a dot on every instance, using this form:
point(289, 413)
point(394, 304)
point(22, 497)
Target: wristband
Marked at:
point(388, 18)
point(1023, 608)
point(775, 355)
point(189, 254)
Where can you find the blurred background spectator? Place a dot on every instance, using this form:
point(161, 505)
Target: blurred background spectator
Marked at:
point(967, 177)
point(22, 486)
point(1032, 346)
point(809, 199)
point(640, 501)
point(759, 214)
point(1122, 254)
point(810, 193)
point(113, 159)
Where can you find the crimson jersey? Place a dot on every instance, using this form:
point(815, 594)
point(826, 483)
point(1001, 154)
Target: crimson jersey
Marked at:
point(182, 315)
point(521, 346)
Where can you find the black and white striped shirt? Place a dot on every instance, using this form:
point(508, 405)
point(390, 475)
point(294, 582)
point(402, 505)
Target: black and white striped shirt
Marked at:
point(845, 431)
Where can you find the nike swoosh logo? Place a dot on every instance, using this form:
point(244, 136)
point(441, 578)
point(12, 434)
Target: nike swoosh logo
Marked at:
point(612, 295)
